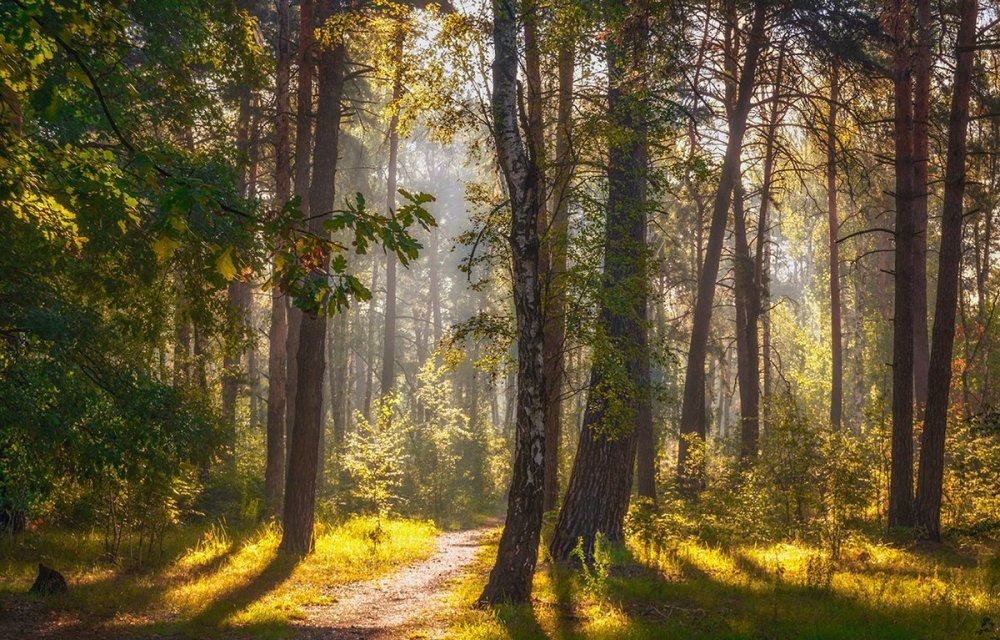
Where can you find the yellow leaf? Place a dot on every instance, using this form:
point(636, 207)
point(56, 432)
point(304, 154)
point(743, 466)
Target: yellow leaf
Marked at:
point(164, 247)
point(224, 265)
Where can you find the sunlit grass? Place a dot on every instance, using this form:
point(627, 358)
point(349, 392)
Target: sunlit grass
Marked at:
point(787, 590)
point(214, 580)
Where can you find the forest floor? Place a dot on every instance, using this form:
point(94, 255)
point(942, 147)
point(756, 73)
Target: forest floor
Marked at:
point(420, 583)
point(795, 590)
point(210, 582)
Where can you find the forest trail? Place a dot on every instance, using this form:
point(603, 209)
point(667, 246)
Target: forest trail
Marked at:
point(399, 605)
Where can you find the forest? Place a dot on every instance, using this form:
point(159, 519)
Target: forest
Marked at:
point(499, 319)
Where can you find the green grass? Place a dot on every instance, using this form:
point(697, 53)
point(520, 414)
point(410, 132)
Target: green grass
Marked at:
point(210, 581)
point(781, 591)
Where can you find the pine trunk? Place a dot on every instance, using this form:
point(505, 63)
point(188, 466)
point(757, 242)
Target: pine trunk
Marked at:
point(690, 467)
point(932, 443)
point(389, 336)
point(597, 494)
point(300, 485)
point(837, 357)
point(921, 152)
point(303, 151)
point(901, 472)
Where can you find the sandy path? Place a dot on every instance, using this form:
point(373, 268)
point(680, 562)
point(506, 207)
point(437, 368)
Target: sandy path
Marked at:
point(400, 605)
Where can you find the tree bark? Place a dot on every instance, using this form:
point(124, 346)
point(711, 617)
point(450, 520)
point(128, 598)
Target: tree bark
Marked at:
point(758, 312)
point(435, 286)
point(511, 577)
point(389, 336)
point(692, 427)
point(932, 443)
point(339, 374)
point(747, 354)
point(370, 347)
point(238, 291)
point(837, 354)
point(303, 151)
point(921, 153)
point(901, 472)
point(597, 494)
point(300, 485)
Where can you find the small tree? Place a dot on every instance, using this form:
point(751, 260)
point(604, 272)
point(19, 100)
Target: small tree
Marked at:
point(376, 458)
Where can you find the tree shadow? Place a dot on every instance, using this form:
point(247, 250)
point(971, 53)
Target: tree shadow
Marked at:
point(769, 606)
point(565, 589)
point(278, 570)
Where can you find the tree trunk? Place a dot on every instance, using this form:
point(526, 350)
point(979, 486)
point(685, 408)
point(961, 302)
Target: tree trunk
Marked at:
point(921, 152)
point(435, 286)
point(931, 472)
point(645, 435)
point(692, 427)
point(238, 292)
point(554, 248)
point(901, 474)
point(511, 577)
point(598, 491)
point(758, 311)
point(182, 341)
point(370, 346)
point(837, 357)
point(274, 467)
point(339, 373)
point(303, 151)
point(300, 486)
point(389, 337)
point(200, 372)
point(747, 354)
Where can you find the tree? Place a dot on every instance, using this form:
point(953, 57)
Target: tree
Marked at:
point(597, 494)
point(921, 160)
point(692, 423)
point(836, 349)
point(931, 471)
point(511, 577)
point(274, 470)
point(303, 150)
point(300, 484)
point(898, 18)
point(389, 336)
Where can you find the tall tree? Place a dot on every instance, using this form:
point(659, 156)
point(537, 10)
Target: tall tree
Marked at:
point(898, 20)
point(556, 240)
point(597, 494)
point(274, 470)
point(837, 357)
point(931, 471)
point(921, 160)
point(389, 335)
point(747, 352)
point(517, 554)
point(693, 414)
point(300, 485)
point(303, 150)
point(238, 292)
point(758, 312)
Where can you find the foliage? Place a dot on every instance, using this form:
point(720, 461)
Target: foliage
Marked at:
point(375, 458)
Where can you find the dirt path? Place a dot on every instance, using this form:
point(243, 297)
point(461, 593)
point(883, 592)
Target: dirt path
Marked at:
point(399, 605)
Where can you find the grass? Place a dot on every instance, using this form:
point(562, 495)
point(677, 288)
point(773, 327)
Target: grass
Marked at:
point(783, 591)
point(211, 582)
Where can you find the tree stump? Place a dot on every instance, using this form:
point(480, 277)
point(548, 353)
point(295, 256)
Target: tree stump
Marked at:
point(48, 582)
